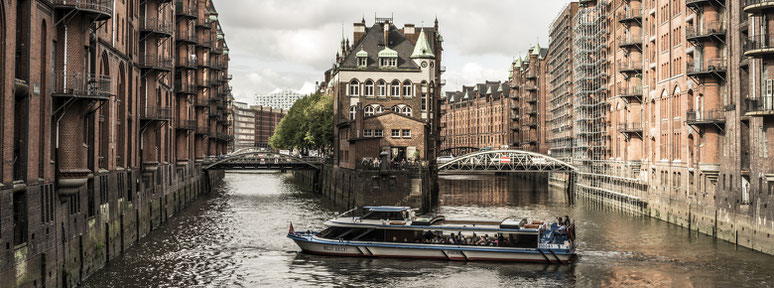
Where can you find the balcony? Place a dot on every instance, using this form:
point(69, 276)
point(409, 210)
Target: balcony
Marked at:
point(202, 130)
point(79, 85)
point(759, 106)
point(186, 125)
point(204, 63)
point(758, 45)
point(204, 43)
point(709, 31)
point(156, 26)
point(630, 67)
point(156, 62)
point(185, 11)
point(201, 102)
point(99, 9)
point(630, 128)
point(181, 88)
point(629, 93)
point(532, 99)
point(186, 62)
point(204, 23)
point(630, 41)
point(712, 117)
point(710, 68)
point(531, 87)
point(155, 113)
point(757, 6)
point(185, 37)
point(630, 15)
point(697, 4)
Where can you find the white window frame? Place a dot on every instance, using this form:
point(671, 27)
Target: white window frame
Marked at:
point(405, 133)
point(408, 89)
point(379, 109)
point(352, 112)
point(407, 111)
point(354, 88)
point(368, 133)
point(368, 88)
point(362, 62)
point(369, 111)
point(395, 133)
point(381, 88)
point(395, 89)
point(378, 133)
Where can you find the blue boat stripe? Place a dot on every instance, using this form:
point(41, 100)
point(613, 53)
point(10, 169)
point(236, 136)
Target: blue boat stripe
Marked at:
point(425, 227)
point(421, 246)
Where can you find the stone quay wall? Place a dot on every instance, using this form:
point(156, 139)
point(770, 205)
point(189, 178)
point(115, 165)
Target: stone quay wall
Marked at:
point(69, 240)
point(349, 188)
point(755, 233)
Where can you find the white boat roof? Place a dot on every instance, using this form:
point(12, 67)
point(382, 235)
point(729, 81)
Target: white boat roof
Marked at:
point(387, 208)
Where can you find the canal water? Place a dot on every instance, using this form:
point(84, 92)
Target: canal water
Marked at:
point(235, 237)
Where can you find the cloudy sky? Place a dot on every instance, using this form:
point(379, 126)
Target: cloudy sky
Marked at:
point(290, 43)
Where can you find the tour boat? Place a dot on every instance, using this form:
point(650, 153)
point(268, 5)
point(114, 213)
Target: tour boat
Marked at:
point(395, 232)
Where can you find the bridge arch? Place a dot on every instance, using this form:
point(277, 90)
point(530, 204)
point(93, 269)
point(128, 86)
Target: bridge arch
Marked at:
point(506, 161)
point(244, 159)
point(458, 150)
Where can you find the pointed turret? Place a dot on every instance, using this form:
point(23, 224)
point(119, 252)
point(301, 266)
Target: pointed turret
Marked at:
point(422, 49)
point(536, 50)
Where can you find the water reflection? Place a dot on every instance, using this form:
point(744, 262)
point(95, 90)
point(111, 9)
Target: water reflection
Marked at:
point(236, 238)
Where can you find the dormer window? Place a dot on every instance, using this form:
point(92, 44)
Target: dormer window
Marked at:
point(362, 58)
point(388, 58)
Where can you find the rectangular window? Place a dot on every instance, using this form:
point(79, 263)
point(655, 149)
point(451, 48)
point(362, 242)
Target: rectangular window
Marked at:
point(378, 133)
point(19, 218)
point(395, 133)
point(368, 133)
point(424, 102)
point(406, 133)
point(92, 209)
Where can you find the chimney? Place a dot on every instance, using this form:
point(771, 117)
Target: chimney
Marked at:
point(358, 31)
point(410, 33)
point(386, 33)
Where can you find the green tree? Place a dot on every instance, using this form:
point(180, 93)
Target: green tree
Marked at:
point(308, 125)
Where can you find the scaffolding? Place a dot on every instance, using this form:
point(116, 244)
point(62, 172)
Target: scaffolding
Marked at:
point(591, 145)
point(561, 86)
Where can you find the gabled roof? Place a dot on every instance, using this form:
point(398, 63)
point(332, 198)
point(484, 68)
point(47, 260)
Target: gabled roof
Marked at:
point(388, 53)
point(373, 43)
point(536, 50)
point(422, 49)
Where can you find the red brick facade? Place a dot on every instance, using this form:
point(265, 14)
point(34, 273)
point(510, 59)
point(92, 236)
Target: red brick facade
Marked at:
point(479, 116)
point(102, 127)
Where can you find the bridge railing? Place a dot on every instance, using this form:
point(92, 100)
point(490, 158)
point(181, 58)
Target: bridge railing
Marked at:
point(392, 166)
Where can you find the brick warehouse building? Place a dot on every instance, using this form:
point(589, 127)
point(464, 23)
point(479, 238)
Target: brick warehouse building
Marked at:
point(478, 116)
point(266, 121)
point(111, 108)
point(671, 106)
point(529, 94)
point(386, 92)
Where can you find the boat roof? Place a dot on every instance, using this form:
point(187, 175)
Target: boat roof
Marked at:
point(387, 208)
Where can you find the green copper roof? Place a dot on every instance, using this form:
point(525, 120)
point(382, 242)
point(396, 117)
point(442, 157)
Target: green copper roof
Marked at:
point(466, 96)
point(422, 48)
point(361, 53)
point(388, 53)
point(451, 100)
point(518, 62)
point(489, 91)
point(526, 58)
point(499, 88)
point(510, 74)
point(536, 50)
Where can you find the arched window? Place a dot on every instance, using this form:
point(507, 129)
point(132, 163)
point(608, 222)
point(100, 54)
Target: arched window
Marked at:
point(407, 111)
point(352, 111)
point(407, 89)
point(354, 88)
point(379, 109)
point(395, 88)
point(368, 89)
point(396, 109)
point(381, 88)
point(369, 111)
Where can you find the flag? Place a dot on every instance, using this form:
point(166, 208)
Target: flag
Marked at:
point(291, 231)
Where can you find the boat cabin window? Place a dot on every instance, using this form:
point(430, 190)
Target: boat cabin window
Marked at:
point(379, 215)
point(523, 240)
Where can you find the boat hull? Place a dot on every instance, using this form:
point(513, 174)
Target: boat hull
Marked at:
point(314, 245)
